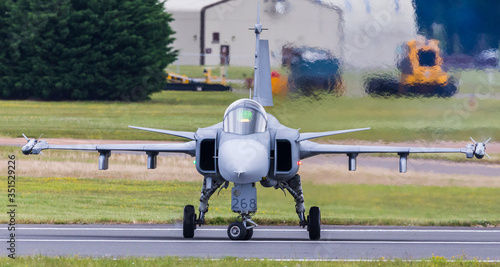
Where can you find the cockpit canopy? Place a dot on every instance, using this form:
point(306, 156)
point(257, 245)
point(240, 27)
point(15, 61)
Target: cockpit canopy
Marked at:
point(245, 116)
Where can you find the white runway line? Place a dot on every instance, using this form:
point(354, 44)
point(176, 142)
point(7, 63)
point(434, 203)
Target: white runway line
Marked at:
point(256, 241)
point(261, 230)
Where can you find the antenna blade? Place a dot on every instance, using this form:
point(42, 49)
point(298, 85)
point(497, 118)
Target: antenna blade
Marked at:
point(258, 12)
point(487, 155)
point(473, 140)
point(27, 139)
point(487, 141)
point(40, 136)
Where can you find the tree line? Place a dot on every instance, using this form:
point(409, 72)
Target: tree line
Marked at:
point(83, 49)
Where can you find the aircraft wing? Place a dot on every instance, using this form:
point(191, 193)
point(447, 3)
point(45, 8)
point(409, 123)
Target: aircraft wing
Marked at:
point(188, 148)
point(104, 150)
point(309, 149)
point(187, 135)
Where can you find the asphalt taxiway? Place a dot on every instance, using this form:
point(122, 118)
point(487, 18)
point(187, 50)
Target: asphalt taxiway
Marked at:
point(271, 242)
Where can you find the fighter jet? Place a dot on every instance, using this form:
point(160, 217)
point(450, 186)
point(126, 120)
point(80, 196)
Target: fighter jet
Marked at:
point(250, 146)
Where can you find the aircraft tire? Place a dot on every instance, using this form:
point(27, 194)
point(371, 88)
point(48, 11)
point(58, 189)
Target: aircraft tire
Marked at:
point(249, 234)
point(314, 223)
point(236, 231)
point(189, 223)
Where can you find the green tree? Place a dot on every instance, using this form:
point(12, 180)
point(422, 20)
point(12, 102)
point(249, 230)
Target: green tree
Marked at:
point(89, 50)
point(5, 72)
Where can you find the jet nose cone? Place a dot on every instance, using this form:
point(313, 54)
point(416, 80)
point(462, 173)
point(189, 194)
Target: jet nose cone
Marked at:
point(28, 147)
point(243, 161)
point(26, 150)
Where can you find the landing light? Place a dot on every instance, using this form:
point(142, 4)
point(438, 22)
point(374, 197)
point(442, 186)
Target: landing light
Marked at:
point(299, 162)
point(194, 161)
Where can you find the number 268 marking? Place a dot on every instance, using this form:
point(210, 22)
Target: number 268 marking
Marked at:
point(243, 204)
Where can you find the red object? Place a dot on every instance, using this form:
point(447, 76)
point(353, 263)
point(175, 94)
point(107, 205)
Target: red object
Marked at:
point(275, 74)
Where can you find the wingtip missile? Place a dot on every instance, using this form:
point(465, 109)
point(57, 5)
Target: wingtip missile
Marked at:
point(479, 149)
point(30, 147)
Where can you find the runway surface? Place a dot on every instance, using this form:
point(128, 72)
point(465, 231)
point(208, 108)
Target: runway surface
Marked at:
point(277, 242)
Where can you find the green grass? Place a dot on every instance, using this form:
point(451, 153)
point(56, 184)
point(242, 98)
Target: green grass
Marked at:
point(228, 261)
point(391, 119)
point(72, 200)
point(183, 111)
point(195, 71)
point(478, 82)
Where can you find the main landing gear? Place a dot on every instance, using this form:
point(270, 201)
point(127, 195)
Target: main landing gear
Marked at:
point(190, 221)
point(244, 202)
point(314, 223)
point(313, 220)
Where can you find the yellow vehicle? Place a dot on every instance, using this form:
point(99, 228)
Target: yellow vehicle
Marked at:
point(177, 78)
point(421, 67)
point(178, 82)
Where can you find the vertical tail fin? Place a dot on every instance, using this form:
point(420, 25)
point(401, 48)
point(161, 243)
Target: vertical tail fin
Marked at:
point(262, 83)
point(262, 69)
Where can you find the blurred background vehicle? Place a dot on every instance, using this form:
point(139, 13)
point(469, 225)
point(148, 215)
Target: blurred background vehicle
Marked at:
point(421, 73)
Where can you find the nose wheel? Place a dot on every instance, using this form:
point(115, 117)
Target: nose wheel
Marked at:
point(238, 231)
point(241, 230)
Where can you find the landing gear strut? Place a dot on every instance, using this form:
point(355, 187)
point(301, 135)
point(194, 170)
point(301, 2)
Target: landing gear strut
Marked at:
point(313, 220)
point(190, 221)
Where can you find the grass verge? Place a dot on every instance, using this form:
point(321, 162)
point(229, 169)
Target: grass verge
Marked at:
point(228, 261)
point(391, 120)
point(72, 200)
point(196, 71)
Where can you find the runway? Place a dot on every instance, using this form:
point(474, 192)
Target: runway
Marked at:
point(271, 242)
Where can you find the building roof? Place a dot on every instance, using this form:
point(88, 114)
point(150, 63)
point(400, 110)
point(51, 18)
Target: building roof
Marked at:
point(189, 5)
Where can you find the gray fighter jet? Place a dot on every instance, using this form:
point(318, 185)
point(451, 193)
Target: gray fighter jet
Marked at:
point(248, 147)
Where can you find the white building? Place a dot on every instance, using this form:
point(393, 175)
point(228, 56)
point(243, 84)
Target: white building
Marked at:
point(209, 31)
point(362, 33)
point(375, 29)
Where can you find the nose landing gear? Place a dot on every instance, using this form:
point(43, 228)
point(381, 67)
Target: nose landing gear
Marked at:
point(241, 230)
point(238, 231)
point(243, 202)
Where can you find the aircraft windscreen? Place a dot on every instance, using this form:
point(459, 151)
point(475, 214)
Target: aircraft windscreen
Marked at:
point(245, 117)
